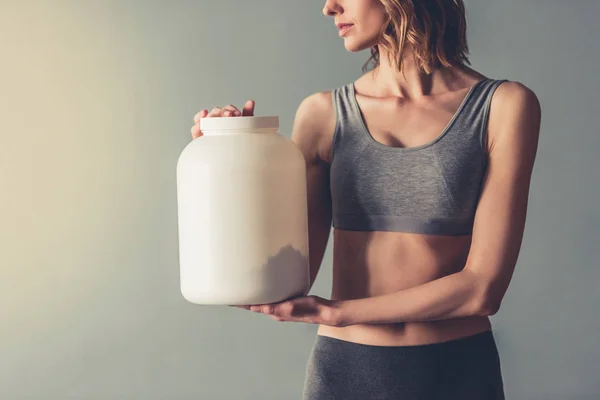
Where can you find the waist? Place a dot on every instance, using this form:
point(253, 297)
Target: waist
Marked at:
point(373, 263)
point(409, 333)
point(367, 264)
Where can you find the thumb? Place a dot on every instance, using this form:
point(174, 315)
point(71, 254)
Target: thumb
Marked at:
point(248, 110)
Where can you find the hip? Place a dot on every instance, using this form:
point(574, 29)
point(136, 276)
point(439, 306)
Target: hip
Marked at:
point(466, 368)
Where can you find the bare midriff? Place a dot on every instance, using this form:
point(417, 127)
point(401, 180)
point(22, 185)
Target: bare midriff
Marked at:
point(367, 264)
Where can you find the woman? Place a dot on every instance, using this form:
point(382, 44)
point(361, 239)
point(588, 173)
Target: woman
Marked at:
point(423, 167)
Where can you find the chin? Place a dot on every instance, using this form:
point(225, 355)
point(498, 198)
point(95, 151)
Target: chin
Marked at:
point(353, 45)
point(357, 42)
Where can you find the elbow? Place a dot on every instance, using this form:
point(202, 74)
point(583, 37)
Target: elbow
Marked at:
point(488, 301)
point(488, 307)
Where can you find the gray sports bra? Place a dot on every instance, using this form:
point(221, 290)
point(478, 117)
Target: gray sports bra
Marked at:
point(430, 189)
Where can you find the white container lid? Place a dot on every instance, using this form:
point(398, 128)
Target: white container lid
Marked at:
point(239, 123)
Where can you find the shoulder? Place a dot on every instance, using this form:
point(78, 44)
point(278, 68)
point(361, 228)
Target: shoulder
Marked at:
point(312, 107)
point(514, 94)
point(515, 114)
point(314, 125)
point(512, 99)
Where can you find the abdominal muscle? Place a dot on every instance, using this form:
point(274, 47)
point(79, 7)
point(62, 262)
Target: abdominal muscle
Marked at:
point(367, 264)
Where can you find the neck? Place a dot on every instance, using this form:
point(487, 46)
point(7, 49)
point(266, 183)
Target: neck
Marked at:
point(413, 82)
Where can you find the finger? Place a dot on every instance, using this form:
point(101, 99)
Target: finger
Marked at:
point(196, 132)
point(306, 320)
point(199, 115)
point(263, 308)
point(257, 308)
point(215, 112)
point(231, 110)
point(248, 110)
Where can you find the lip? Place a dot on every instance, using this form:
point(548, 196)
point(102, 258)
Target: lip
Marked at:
point(344, 28)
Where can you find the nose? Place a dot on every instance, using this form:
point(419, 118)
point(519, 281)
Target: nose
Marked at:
point(331, 8)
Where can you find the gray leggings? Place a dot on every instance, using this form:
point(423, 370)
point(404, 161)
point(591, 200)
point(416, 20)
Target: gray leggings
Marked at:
point(464, 369)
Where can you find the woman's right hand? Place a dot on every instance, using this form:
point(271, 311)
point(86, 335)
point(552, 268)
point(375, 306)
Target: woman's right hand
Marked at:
point(227, 111)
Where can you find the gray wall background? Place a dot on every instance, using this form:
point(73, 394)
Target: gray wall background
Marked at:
point(96, 103)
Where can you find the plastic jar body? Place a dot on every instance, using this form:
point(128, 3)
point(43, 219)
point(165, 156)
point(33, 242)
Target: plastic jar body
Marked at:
point(242, 214)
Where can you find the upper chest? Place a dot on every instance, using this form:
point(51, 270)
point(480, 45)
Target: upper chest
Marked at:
point(404, 123)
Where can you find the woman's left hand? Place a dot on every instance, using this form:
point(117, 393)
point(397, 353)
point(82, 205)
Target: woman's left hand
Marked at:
point(308, 309)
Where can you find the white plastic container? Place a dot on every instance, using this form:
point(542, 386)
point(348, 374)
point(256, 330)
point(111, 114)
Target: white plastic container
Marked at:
point(242, 214)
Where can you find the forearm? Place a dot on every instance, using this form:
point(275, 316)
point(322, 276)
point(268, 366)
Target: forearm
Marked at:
point(452, 296)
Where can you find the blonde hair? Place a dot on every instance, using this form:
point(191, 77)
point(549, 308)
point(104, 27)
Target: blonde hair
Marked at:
point(436, 29)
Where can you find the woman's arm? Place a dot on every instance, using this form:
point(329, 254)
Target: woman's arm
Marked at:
point(312, 132)
point(478, 289)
